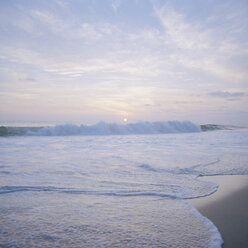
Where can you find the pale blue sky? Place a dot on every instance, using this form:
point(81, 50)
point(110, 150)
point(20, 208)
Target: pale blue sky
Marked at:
point(85, 61)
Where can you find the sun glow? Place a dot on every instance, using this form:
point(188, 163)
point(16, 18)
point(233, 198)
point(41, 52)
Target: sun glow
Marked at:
point(124, 119)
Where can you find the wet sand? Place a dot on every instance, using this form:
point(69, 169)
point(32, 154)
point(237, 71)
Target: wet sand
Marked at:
point(227, 209)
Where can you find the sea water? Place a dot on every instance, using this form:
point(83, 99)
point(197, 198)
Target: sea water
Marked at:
point(110, 185)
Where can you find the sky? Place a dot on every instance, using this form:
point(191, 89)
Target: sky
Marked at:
point(143, 60)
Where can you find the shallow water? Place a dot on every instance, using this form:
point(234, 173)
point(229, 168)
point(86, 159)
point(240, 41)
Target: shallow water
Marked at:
point(113, 191)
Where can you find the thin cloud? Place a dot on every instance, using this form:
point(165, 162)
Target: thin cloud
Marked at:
point(209, 48)
point(227, 94)
point(116, 5)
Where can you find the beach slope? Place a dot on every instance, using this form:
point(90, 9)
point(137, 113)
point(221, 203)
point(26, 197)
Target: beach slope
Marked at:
point(228, 209)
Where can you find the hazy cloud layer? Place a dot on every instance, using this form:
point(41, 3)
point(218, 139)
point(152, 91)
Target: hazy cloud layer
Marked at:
point(90, 60)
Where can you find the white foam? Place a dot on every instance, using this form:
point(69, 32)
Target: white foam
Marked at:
point(103, 128)
point(216, 240)
point(133, 173)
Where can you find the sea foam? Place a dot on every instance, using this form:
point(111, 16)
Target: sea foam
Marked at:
point(113, 191)
point(103, 128)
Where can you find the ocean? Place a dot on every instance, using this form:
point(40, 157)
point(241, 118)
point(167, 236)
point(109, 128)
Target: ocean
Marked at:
point(112, 185)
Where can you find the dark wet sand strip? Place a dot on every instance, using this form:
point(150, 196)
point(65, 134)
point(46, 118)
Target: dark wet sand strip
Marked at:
point(227, 209)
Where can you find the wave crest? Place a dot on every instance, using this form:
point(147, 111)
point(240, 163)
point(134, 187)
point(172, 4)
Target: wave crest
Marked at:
point(103, 128)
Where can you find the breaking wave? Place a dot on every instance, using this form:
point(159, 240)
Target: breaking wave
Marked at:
point(103, 128)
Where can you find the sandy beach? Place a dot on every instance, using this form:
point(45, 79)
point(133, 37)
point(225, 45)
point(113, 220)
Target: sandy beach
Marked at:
point(227, 209)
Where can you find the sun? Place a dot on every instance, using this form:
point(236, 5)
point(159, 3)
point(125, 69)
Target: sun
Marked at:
point(125, 119)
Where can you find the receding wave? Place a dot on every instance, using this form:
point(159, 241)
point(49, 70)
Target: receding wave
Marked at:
point(15, 189)
point(103, 128)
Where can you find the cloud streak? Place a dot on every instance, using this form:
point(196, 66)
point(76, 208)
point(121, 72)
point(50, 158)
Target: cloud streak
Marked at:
point(201, 46)
point(226, 94)
point(119, 56)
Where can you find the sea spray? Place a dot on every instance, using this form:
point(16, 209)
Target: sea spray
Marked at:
point(103, 128)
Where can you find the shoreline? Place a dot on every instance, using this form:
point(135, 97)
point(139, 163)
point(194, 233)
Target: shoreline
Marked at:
point(227, 208)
